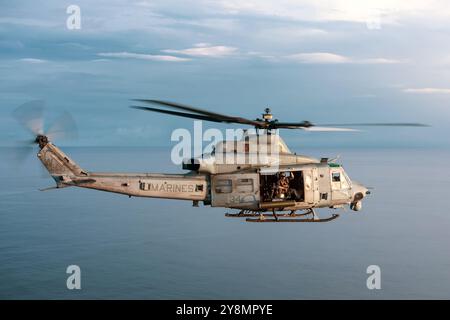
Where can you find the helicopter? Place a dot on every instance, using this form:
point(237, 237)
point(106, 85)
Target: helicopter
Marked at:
point(279, 186)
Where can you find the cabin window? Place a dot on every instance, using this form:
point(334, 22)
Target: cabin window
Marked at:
point(244, 185)
point(336, 180)
point(336, 176)
point(223, 186)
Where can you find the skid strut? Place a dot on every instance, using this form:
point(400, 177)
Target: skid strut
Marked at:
point(280, 217)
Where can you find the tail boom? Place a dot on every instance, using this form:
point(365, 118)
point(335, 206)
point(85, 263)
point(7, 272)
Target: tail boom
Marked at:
point(169, 186)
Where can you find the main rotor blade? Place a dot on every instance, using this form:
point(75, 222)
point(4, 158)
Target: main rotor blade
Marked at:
point(329, 129)
point(179, 114)
point(214, 115)
point(306, 125)
point(395, 124)
point(30, 116)
point(290, 125)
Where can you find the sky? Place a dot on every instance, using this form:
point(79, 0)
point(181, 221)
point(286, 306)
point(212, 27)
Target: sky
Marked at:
point(324, 61)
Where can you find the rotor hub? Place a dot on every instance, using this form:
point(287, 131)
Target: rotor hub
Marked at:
point(267, 115)
point(41, 140)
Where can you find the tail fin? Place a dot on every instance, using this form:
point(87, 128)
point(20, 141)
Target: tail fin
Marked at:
point(59, 165)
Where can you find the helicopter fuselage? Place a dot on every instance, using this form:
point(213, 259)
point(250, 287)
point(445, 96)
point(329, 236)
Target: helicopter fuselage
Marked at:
point(286, 187)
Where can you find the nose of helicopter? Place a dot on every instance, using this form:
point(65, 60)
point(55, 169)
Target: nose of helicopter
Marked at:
point(359, 192)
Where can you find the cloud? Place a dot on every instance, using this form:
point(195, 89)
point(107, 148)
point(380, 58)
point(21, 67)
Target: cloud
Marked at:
point(332, 58)
point(141, 56)
point(33, 60)
point(318, 58)
point(205, 50)
point(379, 61)
point(428, 90)
point(262, 55)
point(388, 11)
point(100, 60)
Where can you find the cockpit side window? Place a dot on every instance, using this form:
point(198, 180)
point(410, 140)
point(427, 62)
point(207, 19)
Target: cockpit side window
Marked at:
point(336, 176)
point(345, 181)
point(335, 180)
point(339, 180)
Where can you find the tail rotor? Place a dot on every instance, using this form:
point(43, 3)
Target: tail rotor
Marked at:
point(30, 116)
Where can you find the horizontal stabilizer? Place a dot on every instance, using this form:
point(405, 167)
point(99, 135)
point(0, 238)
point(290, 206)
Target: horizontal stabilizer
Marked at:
point(82, 181)
point(50, 188)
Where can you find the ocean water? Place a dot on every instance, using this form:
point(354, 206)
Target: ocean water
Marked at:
point(166, 249)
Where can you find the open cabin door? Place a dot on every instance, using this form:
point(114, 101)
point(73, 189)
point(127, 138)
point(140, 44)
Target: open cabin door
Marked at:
point(296, 184)
point(238, 190)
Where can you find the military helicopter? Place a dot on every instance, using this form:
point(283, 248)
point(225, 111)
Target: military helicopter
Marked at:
point(282, 186)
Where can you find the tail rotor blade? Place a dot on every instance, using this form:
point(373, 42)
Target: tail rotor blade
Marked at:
point(21, 153)
point(64, 127)
point(30, 116)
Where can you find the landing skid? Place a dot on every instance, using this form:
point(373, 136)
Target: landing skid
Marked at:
point(283, 217)
point(256, 214)
point(333, 216)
